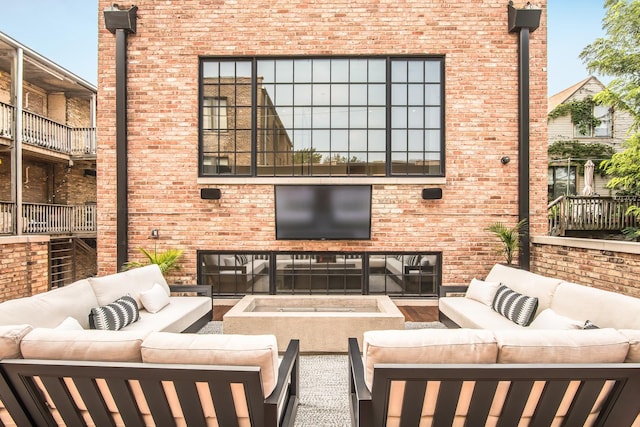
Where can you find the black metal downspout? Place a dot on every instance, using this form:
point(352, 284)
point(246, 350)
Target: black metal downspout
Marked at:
point(524, 22)
point(121, 23)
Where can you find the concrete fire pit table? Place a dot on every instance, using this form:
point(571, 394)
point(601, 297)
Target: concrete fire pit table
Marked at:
point(323, 323)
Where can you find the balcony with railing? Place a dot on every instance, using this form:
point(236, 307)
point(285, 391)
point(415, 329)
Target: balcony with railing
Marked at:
point(591, 214)
point(39, 131)
point(37, 218)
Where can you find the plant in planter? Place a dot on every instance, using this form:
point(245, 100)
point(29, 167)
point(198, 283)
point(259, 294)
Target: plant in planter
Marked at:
point(509, 238)
point(167, 260)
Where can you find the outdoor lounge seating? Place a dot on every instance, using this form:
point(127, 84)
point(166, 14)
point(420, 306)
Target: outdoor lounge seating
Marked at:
point(225, 381)
point(180, 314)
point(565, 305)
point(470, 377)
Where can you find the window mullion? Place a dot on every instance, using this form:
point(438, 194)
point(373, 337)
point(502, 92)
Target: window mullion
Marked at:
point(388, 155)
point(254, 118)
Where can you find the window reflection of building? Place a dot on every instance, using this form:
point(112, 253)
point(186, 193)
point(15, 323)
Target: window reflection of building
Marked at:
point(226, 127)
point(323, 117)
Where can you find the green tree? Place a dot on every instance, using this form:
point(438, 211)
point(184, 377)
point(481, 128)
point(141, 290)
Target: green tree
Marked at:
point(618, 55)
point(306, 155)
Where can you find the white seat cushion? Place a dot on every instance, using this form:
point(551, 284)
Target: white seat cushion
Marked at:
point(90, 344)
point(468, 313)
point(230, 350)
point(561, 346)
point(427, 346)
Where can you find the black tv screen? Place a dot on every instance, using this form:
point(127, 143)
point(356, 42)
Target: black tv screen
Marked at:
point(323, 212)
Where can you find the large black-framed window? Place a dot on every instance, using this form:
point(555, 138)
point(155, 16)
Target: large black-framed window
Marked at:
point(397, 274)
point(322, 116)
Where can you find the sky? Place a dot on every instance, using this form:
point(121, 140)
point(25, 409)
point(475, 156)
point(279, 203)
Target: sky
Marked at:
point(65, 32)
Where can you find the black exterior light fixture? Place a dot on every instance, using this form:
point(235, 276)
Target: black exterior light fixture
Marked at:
point(120, 19)
point(523, 21)
point(121, 22)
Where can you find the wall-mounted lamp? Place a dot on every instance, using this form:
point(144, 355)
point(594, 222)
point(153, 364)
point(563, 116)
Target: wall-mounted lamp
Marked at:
point(505, 159)
point(155, 234)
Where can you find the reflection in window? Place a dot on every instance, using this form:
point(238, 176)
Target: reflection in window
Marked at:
point(214, 113)
point(324, 116)
point(397, 274)
point(561, 182)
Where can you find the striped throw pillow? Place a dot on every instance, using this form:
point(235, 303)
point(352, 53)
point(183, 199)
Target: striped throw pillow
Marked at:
point(516, 307)
point(116, 315)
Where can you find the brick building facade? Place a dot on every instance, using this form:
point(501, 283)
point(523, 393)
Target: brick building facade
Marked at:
point(479, 126)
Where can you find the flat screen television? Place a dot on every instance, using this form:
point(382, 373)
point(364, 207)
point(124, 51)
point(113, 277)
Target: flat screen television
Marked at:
point(323, 212)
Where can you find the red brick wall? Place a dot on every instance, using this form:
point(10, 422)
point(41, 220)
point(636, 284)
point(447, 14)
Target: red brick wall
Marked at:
point(481, 125)
point(24, 262)
point(602, 265)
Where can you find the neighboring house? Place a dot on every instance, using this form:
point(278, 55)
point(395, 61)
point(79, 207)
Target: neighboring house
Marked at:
point(564, 177)
point(47, 163)
point(229, 102)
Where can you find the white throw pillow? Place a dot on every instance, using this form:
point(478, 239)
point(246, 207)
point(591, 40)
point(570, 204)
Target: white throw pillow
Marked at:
point(69, 324)
point(155, 299)
point(482, 291)
point(549, 319)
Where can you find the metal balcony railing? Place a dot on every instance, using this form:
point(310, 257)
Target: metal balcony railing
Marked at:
point(49, 219)
point(6, 120)
point(42, 132)
point(590, 213)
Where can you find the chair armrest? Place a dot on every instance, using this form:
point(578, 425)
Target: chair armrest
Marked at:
point(442, 292)
point(201, 290)
point(287, 387)
point(360, 395)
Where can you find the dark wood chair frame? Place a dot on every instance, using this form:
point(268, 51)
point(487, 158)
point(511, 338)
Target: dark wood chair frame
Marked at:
point(369, 407)
point(27, 405)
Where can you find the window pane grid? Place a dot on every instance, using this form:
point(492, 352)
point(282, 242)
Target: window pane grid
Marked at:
point(324, 116)
point(399, 274)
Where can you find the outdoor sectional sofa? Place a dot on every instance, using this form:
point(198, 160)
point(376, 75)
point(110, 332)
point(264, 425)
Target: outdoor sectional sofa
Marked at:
point(50, 309)
point(54, 370)
point(562, 304)
point(573, 359)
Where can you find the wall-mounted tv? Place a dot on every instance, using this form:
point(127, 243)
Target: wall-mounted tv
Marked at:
point(323, 212)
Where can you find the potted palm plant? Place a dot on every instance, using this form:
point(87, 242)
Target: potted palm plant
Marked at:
point(167, 260)
point(509, 238)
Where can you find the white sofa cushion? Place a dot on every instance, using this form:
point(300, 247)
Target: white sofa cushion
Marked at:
point(468, 313)
point(482, 291)
point(603, 308)
point(561, 346)
point(549, 319)
point(70, 324)
point(49, 309)
point(427, 346)
point(90, 344)
point(209, 349)
point(154, 299)
point(633, 335)
point(10, 338)
point(177, 316)
point(111, 287)
point(526, 283)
